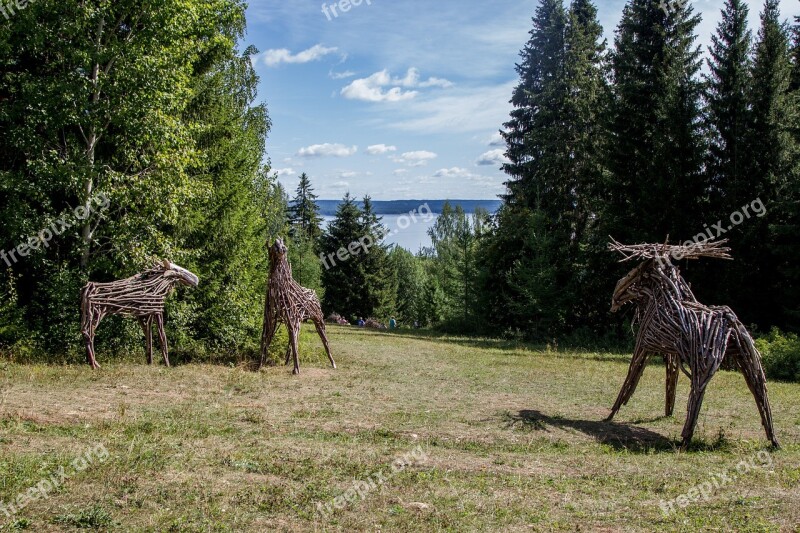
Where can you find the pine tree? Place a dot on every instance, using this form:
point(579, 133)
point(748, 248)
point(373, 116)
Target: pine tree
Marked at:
point(223, 228)
point(378, 289)
point(556, 149)
point(768, 244)
point(655, 187)
point(796, 55)
point(304, 211)
point(728, 91)
point(357, 277)
point(537, 101)
point(727, 119)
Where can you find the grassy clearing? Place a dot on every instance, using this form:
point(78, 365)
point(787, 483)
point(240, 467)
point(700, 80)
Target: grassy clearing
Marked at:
point(513, 439)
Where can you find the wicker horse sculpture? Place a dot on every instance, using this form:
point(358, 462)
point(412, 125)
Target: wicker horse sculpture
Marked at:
point(690, 336)
point(141, 296)
point(289, 302)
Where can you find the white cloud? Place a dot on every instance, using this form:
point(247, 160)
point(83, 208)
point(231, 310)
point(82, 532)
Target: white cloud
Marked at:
point(454, 172)
point(461, 110)
point(400, 172)
point(378, 149)
point(341, 75)
point(283, 172)
point(496, 140)
point(492, 157)
point(327, 150)
point(411, 80)
point(382, 87)
point(348, 175)
point(275, 57)
point(371, 89)
point(415, 159)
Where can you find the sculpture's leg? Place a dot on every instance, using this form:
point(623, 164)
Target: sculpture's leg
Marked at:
point(162, 337)
point(288, 353)
point(671, 362)
point(147, 327)
point(270, 326)
point(635, 372)
point(95, 316)
point(320, 325)
point(693, 408)
point(294, 336)
point(749, 362)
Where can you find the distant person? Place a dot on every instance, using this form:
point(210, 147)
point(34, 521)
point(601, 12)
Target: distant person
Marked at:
point(361, 322)
point(416, 324)
point(392, 323)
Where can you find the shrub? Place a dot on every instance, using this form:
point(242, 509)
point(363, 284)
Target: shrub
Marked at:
point(781, 355)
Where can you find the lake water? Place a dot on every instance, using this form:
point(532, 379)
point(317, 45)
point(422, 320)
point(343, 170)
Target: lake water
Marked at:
point(403, 230)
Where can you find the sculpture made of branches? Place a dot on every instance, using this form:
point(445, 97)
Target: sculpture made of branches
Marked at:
point(690, 336)
point(141, 296)
point(290, 303)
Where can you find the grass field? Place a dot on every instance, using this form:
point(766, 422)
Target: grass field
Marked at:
point(437, 434)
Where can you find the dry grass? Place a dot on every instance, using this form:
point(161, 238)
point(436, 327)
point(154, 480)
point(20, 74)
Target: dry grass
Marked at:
point(513, 438)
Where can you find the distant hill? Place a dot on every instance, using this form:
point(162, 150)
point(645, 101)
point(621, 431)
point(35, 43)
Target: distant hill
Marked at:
point(400, 207)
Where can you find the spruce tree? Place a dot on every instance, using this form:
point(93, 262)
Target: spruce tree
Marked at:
point(728, 90)
point(378, 287)
point(304, 211)
point(768, 243)
point(556, 149)
point(728, 117)
point(304, 234)
point(655, 187)
point(351, 275)
point(796, 55)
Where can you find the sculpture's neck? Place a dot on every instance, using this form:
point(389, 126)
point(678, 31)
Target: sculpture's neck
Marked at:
point(281, 269)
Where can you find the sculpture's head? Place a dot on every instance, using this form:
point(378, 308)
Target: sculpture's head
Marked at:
point(180, 275)
point(641, 282)
point(278, 250)
point(630, 289)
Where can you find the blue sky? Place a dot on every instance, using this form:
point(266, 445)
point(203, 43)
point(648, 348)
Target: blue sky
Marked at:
point(401, 99)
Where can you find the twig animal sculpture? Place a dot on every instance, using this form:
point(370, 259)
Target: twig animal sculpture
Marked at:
point(290, 303)
point(690, 336)
point(141, 296)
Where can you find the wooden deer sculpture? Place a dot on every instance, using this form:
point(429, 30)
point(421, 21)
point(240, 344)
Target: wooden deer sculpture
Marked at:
point(289, 302)
point(690, 336)
point(141, 296)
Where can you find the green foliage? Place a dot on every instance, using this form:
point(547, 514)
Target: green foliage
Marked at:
point(150, 105)
point(357, 278)
point(780, 355)
point(655, 187)
point(412, 278)
point(456, 239)
point(304, 211)
point(556, 147)
point(304, 258)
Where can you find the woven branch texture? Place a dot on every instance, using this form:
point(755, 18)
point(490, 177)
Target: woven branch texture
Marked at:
point(289, 303)
point(691, 337)
point(141, 296)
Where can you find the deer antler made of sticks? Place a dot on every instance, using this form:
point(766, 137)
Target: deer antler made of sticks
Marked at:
point(689, 335)
point(713, 249)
